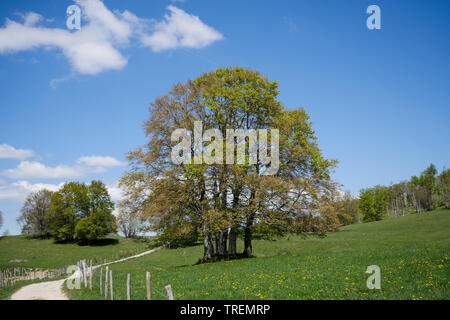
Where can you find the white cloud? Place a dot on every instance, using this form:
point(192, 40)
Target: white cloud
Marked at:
point(19, 190)
point(115, 192)
point(180, 29)
point(89, 50)
point(99, 161)
point(9, 152)
point(37, 186)
point(95, 48)
point(37, 170)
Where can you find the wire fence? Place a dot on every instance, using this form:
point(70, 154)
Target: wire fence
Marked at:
point(10, 276)
point(109, 285)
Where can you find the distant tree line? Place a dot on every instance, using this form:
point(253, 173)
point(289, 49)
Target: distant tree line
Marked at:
point(76, 213)
point(426, 192)
point(342, 210)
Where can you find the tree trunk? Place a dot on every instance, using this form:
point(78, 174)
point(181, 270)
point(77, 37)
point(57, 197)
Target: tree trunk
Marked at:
point(247, 242)
point(223, 243)
point(208, 246)
point(248, 238)
point(217, 238)
point(232, 242)
point(248, 231)
point(233, 236)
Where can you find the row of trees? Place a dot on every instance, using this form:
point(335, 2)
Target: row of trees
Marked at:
point(216, 202)
point(77, 212)
point(421, 193)
point(342, 210)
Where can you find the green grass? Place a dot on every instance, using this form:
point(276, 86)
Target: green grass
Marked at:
point(412, 252)
point(47, 254)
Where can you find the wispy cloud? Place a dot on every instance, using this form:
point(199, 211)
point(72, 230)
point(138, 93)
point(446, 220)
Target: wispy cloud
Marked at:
point(96, 47)
point(9, 152)
point(20, 189)
point(84, 166)
point(99, 161)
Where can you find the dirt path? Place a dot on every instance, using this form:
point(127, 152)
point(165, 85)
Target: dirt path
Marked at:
point(52, 290)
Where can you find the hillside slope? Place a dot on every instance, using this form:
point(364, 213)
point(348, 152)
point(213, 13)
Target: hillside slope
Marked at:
point(412, 252)
point(47, 254)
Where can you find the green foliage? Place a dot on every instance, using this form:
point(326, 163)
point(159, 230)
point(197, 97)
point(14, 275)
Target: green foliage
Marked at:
point(81, 212)
point(34, 213)
point(443, 189)
point(347, 210)
point(228, 98)
point(95, 227)
point(173, 238)
point(373, 203)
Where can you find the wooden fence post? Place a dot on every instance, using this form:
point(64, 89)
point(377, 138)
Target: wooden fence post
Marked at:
point(101, 280)
point(85, 273)
point(149, 286)
point(90, 278)
point(128, 287)
point(169, 292)
point(106, 284)
point(80, 268)
point(111, 284)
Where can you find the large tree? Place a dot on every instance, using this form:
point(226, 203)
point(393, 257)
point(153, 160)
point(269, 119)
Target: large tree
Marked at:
point(130, 220)
point(374, 203)
point(443, 189)
point(218, 200)
point(81, 212)
point(33, 219)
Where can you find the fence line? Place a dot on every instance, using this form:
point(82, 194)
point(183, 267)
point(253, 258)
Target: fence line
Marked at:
point(106, 283)
point(10, 276)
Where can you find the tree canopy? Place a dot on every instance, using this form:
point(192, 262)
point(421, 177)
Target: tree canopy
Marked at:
point(33, 219)
point(81, 212)
point(216, 200)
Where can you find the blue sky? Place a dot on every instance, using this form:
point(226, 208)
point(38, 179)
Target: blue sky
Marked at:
point(379, 100)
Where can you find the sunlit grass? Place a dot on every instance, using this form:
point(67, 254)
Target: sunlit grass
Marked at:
point(412, 252)
point(47, 254)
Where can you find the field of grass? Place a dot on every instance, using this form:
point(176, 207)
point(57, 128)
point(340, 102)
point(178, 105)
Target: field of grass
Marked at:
point(413, 253)
point(47, 254)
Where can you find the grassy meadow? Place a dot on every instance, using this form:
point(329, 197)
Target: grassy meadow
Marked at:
point(413, 253)
point(44, 253)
